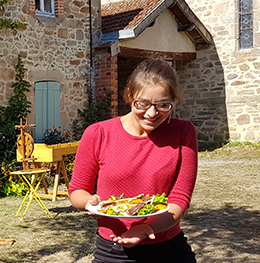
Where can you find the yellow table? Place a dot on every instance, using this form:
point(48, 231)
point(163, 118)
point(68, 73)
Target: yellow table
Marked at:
point(43, 153)
point(32, 188)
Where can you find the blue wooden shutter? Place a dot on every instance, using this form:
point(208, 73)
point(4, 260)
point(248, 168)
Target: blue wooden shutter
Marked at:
point(47, 107)
point(53, 104)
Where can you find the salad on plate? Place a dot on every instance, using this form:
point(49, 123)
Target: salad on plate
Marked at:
point(132, 207)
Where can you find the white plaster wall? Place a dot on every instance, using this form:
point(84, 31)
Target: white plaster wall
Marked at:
point(163, 36)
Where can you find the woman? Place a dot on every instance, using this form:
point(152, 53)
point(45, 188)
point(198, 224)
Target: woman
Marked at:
point(144, 152)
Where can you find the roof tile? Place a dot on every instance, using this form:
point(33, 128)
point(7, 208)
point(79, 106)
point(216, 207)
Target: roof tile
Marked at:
point(125, 14)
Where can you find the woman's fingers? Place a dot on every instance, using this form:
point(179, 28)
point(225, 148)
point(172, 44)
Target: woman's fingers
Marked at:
point(94, 200)
point(125, 242)
point(134, 236)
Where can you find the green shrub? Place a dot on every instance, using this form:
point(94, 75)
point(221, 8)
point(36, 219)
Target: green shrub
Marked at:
point(18, 108)
point(69, 163)
point(8, 184)
point(97, 110)
point(11, 188)
point(54, 136)
point(8, 139)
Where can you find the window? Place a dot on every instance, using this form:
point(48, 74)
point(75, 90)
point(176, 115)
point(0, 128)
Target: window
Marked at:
point(45, 7)
point(51, 8)
point(246, 24)
point(47, 107)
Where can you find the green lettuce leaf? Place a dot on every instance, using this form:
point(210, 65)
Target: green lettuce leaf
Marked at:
point(160, 199)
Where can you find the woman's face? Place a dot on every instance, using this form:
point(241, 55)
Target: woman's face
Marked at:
point(145, 121)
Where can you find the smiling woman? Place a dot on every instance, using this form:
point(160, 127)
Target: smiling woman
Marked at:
point(145, 151)
point(151, 91)
point(142, 120)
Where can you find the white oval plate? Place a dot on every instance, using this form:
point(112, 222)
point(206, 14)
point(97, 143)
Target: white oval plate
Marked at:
point(94, 209)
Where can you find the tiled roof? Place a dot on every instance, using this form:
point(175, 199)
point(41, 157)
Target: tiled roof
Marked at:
point(125, 14)
point(129, 18)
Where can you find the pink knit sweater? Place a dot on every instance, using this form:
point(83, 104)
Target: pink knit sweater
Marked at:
point(163, 161)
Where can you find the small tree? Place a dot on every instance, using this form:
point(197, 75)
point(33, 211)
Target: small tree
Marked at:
point(9, 116)
point(19, 106)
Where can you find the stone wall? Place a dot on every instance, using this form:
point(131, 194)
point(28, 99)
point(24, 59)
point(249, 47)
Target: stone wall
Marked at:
point(222, 86)
point(202, 87)
point(52, 49)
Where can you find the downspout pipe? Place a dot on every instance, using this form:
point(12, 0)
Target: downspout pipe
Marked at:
point(91, 54)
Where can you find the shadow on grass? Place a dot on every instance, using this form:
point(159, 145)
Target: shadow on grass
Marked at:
point(236, 230)
point(64, 209)
point(71, 232)
point(232, 231)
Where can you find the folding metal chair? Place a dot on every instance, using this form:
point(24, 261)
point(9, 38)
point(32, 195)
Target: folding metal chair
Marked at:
point(32, 187)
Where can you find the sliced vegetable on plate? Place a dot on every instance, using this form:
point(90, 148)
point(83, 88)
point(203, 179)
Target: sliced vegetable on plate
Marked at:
point(138, 206)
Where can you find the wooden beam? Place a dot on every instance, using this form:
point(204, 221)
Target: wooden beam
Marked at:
point(6, 241)
point(184, 15)
point(151, 54)
point(186, 28)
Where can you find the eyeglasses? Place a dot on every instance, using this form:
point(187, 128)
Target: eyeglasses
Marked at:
point(161, 106)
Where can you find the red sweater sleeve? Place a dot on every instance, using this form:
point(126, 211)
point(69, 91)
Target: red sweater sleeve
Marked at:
point(183, 187)
point(87, 161)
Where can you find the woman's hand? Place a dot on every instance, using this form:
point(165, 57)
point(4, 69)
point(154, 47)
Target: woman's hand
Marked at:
point(93, 200)
point(159, 224)
point(81, 199)
point(134, 235)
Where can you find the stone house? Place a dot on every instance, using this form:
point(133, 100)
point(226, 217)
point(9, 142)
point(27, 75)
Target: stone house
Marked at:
point(230, 69)
point(213, 45)
point(219, 77)
point(56, 49)
point(135, 30)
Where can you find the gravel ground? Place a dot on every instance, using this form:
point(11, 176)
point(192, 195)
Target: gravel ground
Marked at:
point(222, 224)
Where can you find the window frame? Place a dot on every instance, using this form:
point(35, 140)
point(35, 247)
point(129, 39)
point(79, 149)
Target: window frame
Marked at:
point(242, 29)
point(42, 10)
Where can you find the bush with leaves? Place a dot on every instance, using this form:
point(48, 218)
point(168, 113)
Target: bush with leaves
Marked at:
point(97, 110)
point(10, 116)
point(19, 106)
point(8, 184)
point(8, 138)
point(54, 136)
point(69, 163)
point(11, 188)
